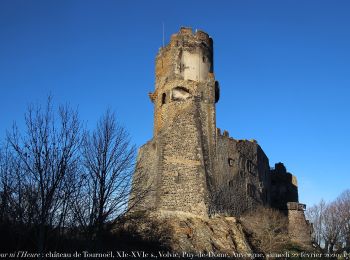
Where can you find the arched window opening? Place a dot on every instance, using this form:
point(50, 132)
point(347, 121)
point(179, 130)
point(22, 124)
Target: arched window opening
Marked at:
point(180, 93)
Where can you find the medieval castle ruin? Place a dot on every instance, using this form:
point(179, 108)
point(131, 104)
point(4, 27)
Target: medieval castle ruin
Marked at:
point(193, 167)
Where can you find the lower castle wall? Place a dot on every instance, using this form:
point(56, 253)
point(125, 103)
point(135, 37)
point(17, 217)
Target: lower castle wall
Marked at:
point(145, 184)
point(241, 176)
point(172, 175)
point(284, 189)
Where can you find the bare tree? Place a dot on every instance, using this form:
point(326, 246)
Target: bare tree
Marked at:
point(106, 181)
point(5, 183)
point(268, 229)
point(315, 215)
point(18, 200)
point(48, 155)
point(331, 223)
point(14, 208)
point(343, 202)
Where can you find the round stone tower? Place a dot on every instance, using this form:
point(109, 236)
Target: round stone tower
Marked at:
point(184, 122)
point(183, 69)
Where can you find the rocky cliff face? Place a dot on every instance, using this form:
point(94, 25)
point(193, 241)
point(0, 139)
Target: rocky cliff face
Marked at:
point(190, 234)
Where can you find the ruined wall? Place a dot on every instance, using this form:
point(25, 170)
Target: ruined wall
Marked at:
point(241, 176)
point(145, 182)
point(264, 175)
point(284, 187)
point(299, 228)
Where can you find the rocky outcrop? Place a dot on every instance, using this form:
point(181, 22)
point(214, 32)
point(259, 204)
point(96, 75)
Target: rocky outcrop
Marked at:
point(179, 232)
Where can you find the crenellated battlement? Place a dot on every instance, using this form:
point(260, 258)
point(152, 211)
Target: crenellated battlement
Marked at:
point(186, 34)
point(226, 134)
point(188, 56)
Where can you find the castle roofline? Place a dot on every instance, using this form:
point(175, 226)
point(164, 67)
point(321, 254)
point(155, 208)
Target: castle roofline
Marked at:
point(225, 133)
point(188, 31)
point(187, 34)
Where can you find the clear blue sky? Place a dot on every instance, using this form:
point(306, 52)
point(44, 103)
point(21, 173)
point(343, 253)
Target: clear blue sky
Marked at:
point(283, 67)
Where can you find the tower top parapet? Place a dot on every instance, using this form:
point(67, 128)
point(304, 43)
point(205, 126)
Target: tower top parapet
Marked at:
point(188, 56)
point(186, 35)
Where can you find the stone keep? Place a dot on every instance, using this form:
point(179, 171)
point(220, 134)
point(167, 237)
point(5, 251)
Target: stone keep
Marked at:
point(190, 166)
point(178, 160)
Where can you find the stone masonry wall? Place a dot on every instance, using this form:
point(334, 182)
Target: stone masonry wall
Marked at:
point(188, 57)
point(184, 122)
point(241, 176)
point(183, 177)
point(284, 187)
point(145, 182)
point(299, 228)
